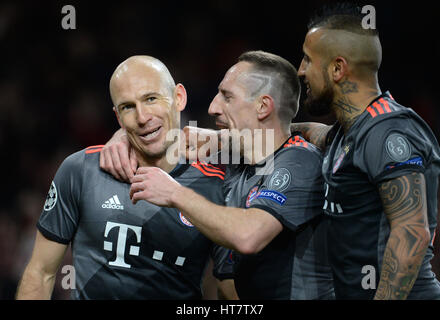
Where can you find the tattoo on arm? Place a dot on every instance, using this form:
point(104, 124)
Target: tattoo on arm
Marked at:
point(314, 132)
point(404, 204)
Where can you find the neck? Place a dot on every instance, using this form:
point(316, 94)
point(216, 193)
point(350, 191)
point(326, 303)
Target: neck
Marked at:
point(351, 100)
point(160, 162)
point(265, 142)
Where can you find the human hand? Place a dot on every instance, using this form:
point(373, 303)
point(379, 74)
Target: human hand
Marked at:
point(118, 157)
point(200, 142)
point(154, 185)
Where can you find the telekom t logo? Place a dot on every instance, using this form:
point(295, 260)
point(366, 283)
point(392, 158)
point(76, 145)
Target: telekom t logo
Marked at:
point(121, 244)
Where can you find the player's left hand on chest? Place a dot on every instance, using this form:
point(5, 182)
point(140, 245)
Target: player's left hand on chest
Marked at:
point(153, 185)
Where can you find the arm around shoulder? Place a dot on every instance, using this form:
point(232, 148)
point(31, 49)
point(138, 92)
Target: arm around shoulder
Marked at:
point(313, 132)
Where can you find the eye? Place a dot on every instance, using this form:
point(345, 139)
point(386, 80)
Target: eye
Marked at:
point(126, 107)
point(151, 99)
point(227, 97)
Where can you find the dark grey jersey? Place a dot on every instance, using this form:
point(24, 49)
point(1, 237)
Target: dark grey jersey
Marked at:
point(386, 141)
point(126, 251)
point(288, 186)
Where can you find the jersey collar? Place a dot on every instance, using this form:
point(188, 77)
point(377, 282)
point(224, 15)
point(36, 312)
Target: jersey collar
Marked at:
point(336, 126)
point(386, 94)
point(263, 162)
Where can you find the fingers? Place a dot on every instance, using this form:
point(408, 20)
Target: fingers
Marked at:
point(106, 163)
point(139, 184)
point(115, 157)
point(135, 191)
point(116, 154)
point(115, 160)
point(139, 188)
point(122, 162)
point(133, 160)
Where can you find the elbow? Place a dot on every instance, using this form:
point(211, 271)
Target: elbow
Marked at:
point(248, 244)
point(247, 248)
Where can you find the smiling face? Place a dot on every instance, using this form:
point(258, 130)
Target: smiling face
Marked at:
point(147, 105)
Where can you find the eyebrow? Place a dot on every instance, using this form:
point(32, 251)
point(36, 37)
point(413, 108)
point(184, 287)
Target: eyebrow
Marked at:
point(224, 91)
point(124, 103)
point(148, 94)
point(143, 97)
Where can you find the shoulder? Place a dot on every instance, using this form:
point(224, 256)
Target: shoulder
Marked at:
point(297, 156)
point(78, 161)
point(386, 115)
point(297, 148)
point(208, 171)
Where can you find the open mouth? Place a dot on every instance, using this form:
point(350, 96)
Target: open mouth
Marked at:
point(150, 135)
point(221, 125)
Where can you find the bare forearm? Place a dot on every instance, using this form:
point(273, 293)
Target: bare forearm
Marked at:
point(35, 286)
point(247, 231)
point(214, 221)
point(314, 132)
point(404, 202)
point(400, 267)
point(244, 230)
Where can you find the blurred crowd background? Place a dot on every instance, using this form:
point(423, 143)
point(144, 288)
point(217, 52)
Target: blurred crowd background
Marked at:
point(54, 97)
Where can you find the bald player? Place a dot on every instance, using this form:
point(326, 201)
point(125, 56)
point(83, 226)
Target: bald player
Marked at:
point(121, 250)
point(273, 218)
point(381, 165)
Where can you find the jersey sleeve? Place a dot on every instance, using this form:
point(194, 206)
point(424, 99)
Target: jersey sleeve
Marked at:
point(60, 215)
point(293, 192)
point(393, 148)
point(223, 262)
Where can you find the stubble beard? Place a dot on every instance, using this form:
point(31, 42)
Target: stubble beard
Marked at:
point(320, 104)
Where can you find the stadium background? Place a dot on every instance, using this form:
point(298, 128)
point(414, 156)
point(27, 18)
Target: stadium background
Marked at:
point(54, 96)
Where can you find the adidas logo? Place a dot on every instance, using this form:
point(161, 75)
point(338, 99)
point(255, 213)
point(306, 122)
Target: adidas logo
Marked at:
point(113, 203)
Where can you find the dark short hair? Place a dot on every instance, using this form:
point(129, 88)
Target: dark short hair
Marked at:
point(346, 16)
point(287, 76)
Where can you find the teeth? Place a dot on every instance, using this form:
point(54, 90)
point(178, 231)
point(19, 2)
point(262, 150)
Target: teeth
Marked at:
point(153, 134)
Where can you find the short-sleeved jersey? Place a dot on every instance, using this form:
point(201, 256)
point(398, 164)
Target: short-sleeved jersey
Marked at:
point(126, 251)
point(289, 186)
point(385, 142)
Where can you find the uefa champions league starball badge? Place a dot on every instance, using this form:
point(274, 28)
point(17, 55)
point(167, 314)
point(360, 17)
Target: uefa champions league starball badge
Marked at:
point(51, 198)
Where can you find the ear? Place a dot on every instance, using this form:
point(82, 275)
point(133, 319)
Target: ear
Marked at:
point(117, 117)
point(339, 68)
point(180, 97)
point(265, 107)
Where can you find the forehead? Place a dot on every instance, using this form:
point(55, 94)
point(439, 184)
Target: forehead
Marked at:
point(313, 38)
point(235, 76)
point(130, 81)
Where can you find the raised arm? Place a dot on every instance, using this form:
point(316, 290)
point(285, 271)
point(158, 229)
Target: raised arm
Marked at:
point(38, 278)
point(314, 132)
point(404, 203)
point(119, 159)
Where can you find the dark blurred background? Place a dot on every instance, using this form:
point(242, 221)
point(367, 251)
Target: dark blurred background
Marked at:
point(54, 97)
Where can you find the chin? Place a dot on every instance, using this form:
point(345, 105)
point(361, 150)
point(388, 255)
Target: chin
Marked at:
point(319, 106)
point(317, 110)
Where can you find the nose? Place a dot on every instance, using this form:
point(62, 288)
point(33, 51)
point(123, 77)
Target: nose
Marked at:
point(143, 115)
point(215, 108)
